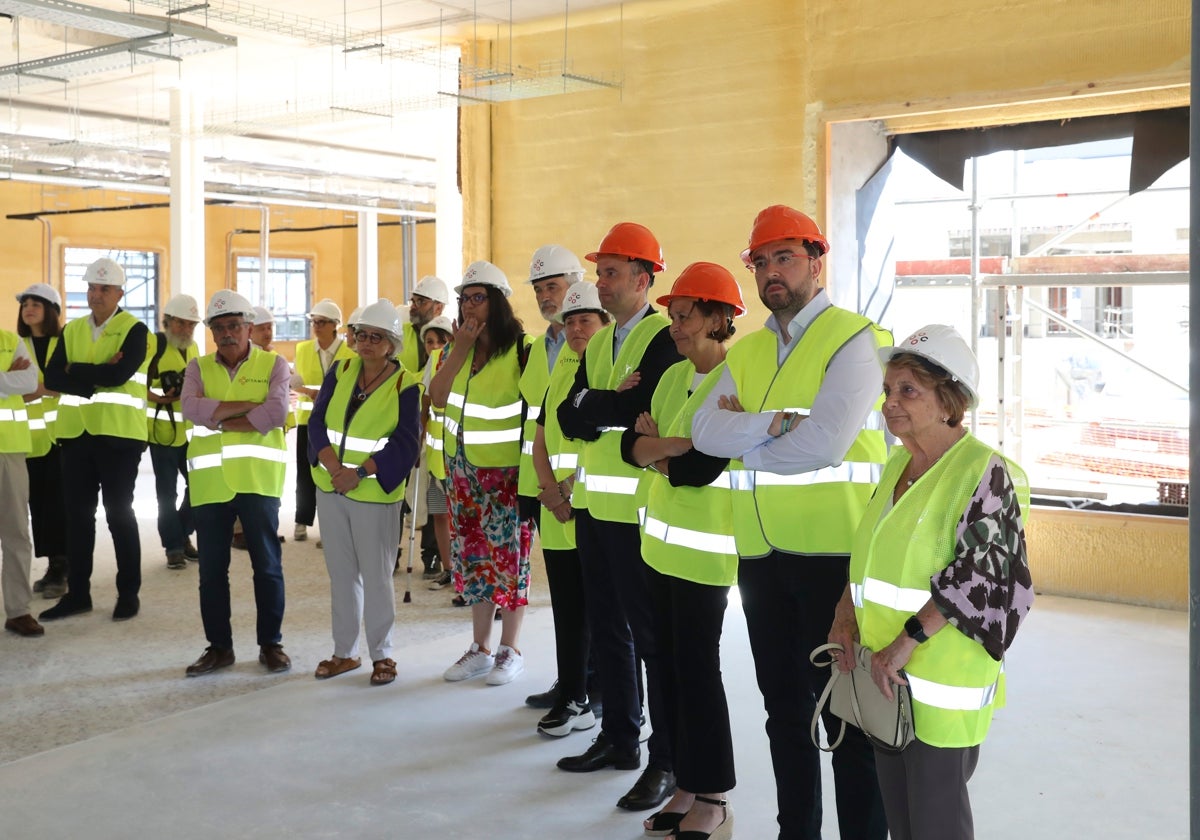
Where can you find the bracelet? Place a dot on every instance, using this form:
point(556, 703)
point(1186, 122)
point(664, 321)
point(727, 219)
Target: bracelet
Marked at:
point(786, 425)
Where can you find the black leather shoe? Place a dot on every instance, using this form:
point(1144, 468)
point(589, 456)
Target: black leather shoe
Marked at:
point(127, 607)
point(69, 605)
point(603, 754)
point(274, 658)
point(649, 791)
point(545, 700)
point(209, 661)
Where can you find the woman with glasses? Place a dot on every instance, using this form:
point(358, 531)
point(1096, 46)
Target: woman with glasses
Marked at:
point(363, 439)
point(477, 387)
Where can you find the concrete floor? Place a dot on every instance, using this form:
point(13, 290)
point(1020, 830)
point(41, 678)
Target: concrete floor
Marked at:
point(104, 738)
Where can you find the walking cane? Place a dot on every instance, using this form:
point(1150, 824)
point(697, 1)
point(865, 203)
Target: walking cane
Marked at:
point(412, 535)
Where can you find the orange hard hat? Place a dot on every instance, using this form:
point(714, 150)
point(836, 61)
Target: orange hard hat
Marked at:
point(780, 222)
point(706, 281)
point(629, 239)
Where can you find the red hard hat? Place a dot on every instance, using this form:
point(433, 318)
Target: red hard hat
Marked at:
point(706, 281)
point(778, 223)
point(629, 239)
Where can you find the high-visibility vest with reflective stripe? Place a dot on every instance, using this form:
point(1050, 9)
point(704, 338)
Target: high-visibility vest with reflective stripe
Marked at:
point(116, 412)
point(534, 381)
point(42, 413)
point(955, 684)
point(814, 512)
point(223, 464)
point(611, 484)
point(160, 431)
point(14, 419)
point(370, 428)
point(308, 365)
point(488, 408)
point(410, 353)
point(687, 532)
point(435, 455)
point(563, 451)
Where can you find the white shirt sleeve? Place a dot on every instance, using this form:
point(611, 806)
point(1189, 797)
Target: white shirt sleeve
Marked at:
point(728, 434)
point(19, 382)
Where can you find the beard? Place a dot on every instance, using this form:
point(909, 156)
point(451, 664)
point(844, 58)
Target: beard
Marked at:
point(178, 342)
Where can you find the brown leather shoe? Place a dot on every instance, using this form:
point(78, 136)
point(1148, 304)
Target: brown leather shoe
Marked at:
point(274, 658)
point(212, 659)
point(24, 625)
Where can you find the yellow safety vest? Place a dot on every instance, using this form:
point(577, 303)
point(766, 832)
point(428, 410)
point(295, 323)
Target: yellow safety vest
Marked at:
point(308, 365)
point(611, 484)
point(370, 428)
point(435, 455)
point(687, 532)
point(488, 408)
point(160, 431)
point(224, 464)
point(14, 419)
point(955, 684)
point(533, 390)
point(410, 355)
point(814, 512)
point(42, 412)
point(115, 412)
point(563, 451)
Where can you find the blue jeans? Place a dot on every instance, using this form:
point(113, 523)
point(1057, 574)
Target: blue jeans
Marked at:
point(214, 531)
point(174, 524)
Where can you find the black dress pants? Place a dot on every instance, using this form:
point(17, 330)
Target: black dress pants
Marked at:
point(47, 508)
point(306, 490)
point(564, 577)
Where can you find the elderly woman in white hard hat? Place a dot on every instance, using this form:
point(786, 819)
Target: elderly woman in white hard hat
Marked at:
point(477, 386)
point(39, 325)
point(363, 439)
point(687, 545)
point(939, 582)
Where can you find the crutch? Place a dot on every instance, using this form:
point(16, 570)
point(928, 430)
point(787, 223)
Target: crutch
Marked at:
point(412, 534)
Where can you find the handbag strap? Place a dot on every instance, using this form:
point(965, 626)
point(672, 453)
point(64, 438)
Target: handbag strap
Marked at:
point(823, 700)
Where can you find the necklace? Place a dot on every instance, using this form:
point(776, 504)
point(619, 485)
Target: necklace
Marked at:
point(362, 389)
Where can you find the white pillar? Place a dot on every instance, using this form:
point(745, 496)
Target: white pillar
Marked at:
point(368, 258)
point(187, 273)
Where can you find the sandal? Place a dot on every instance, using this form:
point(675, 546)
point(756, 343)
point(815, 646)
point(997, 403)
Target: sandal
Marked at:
point(336, 665)
point(724, 829)
point(663, 823)
point(385, 672)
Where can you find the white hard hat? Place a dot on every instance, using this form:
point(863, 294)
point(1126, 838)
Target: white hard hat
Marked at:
point(353, 319)
point(183, 307)
point(44, 291)
point(433, 288)
point(552, 261)
point(104, 272)
point(441, 322)
point(483, 273)
point(262, 315)
point(327, 309)
point(581, 297)
point(946, 348)
point(381, 315)
point(227, 302)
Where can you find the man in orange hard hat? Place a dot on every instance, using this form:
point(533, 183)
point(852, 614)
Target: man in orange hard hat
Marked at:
point(798, 404)
point(602, 403)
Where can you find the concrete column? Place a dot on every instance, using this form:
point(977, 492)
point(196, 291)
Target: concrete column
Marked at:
point(186, 275)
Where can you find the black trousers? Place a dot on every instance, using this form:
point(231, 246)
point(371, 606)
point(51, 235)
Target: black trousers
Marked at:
point(789, 601)
point(95, 467)
point(564, 576)
point(47, 506)
point(690, 617)
point(306, 491)
point(621, 619)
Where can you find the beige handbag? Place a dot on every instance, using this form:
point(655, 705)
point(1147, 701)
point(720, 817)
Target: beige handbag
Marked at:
point(856, 699)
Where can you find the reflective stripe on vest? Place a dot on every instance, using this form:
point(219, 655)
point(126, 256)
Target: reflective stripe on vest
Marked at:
point(888, 595)
point(563, 453)
point(952, 697)
point(44, 410)
point(846, 472)
point(677, 535)
point(117, 411)
point(534, 381)
point(485, 410)
point(356, 443)
point(15, 437)
point(161, 431)
point(564, 461)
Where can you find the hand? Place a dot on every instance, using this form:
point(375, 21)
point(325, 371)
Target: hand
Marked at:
point(645, 424)
point(344, 479)
point(468, 332)
point(116, 358)
point(563, 512)
point(630, 381)
point(676, 446)
point(886, 664)
point(729, 402)
point(22, 363)
point(844, 633)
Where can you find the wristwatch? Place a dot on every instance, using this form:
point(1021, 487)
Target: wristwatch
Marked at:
point(914, 629)
point(361, 472)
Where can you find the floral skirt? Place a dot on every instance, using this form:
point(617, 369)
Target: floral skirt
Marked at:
point(488, 540)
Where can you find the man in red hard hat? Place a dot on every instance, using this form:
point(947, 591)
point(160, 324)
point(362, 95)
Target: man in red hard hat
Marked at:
point(602, 403)
point(798, 404)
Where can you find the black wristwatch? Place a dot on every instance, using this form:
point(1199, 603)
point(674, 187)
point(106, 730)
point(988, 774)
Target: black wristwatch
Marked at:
point(914, 629)
point(361, 472)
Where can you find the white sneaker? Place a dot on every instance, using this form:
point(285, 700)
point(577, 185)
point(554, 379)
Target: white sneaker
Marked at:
point(301, 533)
point(471, 664)
point(509, 665)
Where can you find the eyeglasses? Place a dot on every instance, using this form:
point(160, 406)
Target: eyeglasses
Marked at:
point(783, 259)
point(369, 337)
point(321, 322)
point(475, 298)
point(222, 329)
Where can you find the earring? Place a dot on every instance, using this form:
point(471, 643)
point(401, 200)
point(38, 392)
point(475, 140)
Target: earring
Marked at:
point(945, 419)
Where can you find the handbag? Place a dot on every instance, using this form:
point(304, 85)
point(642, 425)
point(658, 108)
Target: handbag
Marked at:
point(855, 698)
